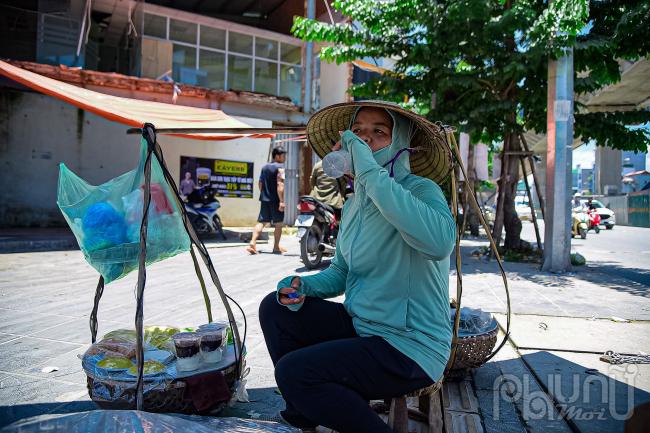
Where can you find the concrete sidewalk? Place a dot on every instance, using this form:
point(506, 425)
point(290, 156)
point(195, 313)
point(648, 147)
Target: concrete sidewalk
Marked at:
point(26, 240)
point(550, 373)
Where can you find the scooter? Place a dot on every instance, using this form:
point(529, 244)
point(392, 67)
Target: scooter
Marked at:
point(318, 228)
point(579, 223)
point(201, 207)
point(594, 220)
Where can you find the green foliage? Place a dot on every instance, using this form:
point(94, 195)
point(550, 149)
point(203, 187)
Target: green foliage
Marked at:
point(483, 64)
point(578, 259)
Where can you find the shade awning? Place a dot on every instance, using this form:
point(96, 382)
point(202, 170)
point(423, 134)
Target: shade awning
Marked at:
point(133, 112)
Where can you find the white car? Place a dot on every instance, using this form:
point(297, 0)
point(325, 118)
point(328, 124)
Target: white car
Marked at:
point(607, 217)
point(523, 208)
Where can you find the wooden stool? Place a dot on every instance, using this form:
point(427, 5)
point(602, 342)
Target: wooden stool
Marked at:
point(429, 410)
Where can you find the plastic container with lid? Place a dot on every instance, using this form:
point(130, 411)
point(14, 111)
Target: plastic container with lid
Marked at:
point(213, 339)
point(187, 345)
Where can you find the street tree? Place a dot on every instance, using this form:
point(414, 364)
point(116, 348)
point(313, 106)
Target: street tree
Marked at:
point(482, 65)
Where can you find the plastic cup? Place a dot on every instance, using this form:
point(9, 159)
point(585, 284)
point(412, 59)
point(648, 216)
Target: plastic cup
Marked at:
point(187, 345)
point(213, 339)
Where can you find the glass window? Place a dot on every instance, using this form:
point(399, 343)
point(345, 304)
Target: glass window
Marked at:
point(214, 66)
point(266, 77)
point(291, 82)
point(290, 53)
point(155, 25)
point(182, 31)
point(240, 73)
point(184, 64)
point(266, 48)
point(240, 43)
point(213, 38)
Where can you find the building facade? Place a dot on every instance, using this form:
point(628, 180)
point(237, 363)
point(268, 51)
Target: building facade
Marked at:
point(221, 55)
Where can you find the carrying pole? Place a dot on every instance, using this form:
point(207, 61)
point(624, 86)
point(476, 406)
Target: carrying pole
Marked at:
point(533, 214)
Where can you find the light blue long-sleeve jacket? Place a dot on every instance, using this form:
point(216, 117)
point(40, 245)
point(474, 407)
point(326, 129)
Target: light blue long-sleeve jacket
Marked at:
point(392, 255)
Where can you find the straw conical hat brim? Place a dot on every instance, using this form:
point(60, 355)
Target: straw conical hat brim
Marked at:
point(432, 161)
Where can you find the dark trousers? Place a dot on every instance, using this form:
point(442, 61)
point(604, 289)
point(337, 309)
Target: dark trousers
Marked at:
point(327, 373)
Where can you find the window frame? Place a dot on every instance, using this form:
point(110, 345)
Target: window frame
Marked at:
point(201, 22)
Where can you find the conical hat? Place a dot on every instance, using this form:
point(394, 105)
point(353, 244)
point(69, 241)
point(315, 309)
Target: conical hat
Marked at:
point(433, 160)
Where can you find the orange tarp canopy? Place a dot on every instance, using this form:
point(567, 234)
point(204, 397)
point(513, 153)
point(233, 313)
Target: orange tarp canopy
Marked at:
point(132, 112)
point(369, 67)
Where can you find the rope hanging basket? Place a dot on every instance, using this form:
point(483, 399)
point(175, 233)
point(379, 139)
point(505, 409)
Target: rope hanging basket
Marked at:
point(126, 238)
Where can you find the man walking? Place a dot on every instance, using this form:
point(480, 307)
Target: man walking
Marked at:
point(271, 185)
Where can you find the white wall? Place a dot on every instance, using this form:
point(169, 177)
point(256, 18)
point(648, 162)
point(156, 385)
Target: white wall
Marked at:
point(234, 211)
point(37, 132)
point(333, 83)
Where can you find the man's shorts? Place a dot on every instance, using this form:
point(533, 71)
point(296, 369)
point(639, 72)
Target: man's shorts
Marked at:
point(269, 213)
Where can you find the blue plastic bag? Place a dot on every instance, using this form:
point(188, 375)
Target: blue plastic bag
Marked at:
point(106, 219)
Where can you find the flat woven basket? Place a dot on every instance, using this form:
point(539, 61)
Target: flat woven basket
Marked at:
point(172, 396)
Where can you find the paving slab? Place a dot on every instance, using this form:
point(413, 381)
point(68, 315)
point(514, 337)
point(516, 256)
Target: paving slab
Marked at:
point(76, 331)
point(68, 367)
point(577, 334)
point(20, 323)
point(510, 398)
point(594, 396)
point(26, 352)
point(23, 396)
point(7, 337)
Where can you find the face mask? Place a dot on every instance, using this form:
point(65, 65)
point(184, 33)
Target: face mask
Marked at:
point(394, 159)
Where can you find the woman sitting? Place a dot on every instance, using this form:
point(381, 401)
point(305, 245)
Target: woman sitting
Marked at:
point(392, 335)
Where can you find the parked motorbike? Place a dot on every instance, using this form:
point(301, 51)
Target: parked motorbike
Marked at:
point(594, 220)
point(318, 228)
point(201, 207)
point(579, 223)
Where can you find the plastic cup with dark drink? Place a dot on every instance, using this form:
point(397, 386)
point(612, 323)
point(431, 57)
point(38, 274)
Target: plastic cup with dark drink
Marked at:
point(188, 356)
point(213, 339)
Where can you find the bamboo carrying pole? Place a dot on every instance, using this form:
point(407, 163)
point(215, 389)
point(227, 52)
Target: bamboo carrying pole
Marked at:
point(531, 162)
point(533, 214)
point(451, 141)
point(247, 130)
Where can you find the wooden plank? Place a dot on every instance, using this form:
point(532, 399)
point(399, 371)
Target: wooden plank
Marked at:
point(398, 417)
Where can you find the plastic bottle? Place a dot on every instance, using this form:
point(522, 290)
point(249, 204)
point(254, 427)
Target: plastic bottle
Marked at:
point(337, 163)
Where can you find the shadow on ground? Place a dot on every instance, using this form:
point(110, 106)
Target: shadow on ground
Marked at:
point(587, 399)
point(611, 275)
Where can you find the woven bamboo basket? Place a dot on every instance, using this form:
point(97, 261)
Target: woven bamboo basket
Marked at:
point(170, 396)
point(473, 350)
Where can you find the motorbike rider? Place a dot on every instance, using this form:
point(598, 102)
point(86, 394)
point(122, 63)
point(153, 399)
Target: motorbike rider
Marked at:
point(327, 189)
point(392, 335)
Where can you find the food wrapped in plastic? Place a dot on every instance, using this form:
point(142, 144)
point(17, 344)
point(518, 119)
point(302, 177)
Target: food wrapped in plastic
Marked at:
point(112, 373)
point(106, 219)
point(131, 421)
point(473, 321)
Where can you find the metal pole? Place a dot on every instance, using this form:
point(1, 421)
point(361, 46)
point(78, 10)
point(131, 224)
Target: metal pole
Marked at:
point(309, 54)
point(559, 118)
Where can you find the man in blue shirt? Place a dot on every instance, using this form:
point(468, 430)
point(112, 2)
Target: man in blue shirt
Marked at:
point(271, 185)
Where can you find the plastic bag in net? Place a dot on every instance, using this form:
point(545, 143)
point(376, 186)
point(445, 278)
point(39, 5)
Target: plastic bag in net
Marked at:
point(106, 219)
point(473, 321)
point(131, 421)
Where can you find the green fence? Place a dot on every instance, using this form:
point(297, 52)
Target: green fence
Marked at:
point(639, 210)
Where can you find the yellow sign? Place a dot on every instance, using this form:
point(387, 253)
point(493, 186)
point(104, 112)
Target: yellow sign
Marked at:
point(230, 167)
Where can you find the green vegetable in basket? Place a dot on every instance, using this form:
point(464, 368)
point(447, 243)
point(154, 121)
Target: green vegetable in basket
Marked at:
point(150, 367)
point(115, 362)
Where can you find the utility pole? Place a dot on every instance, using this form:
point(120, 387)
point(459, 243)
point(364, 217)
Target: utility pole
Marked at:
point(559, 123)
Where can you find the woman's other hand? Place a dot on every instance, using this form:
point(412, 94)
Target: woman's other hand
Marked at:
point(289, 295)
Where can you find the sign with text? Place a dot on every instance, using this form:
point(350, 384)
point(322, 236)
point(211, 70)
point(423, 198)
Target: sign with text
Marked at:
point(226, 178)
